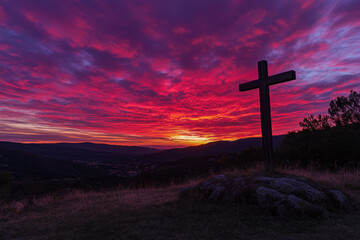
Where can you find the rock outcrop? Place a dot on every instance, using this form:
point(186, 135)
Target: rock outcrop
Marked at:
point(281, 195)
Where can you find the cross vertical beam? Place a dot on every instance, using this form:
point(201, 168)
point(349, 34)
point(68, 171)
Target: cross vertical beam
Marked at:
point(263, 84)
point(266, 129)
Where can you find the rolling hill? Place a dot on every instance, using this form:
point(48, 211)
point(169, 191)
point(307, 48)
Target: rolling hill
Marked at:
point(209, 149)
point(101, 165)
point(80, 151)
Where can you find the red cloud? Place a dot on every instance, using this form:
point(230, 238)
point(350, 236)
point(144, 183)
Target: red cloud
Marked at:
point(167, 73)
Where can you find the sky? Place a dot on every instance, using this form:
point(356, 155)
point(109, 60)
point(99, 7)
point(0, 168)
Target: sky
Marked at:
point(165, 73)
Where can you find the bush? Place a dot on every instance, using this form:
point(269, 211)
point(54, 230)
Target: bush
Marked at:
point(322, 122)
point(327, 149)
point(326, 141)
point(5, 181)
point(343, 111)
point(246, 159)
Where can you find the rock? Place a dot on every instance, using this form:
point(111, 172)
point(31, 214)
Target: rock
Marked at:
point(289, 185)
point(236, 190)
point(285, 205)
point(270, 199)
point(284, 195)
point(223, 188)
point(267, 197)
point(341, 201)
point(298, 206)
point(216, 191)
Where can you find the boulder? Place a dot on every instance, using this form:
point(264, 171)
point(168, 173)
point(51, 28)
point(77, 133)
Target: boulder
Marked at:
point(341, 201)
point(221, 188)
point(280, 195)
point(290, 185)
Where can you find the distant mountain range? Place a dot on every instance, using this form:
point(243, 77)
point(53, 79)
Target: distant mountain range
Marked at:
point(89, 160)
point(43, 168)
point(209, 149)
point(80, 151)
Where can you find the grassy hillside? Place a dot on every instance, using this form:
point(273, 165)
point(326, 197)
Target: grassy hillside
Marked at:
point(26, 165)
point(154, 213)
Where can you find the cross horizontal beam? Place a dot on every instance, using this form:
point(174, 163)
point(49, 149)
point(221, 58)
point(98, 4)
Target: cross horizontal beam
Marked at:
point(281, 77)
point(278, 78)
point(250, 85)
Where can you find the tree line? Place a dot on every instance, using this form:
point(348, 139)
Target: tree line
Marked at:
point(330, 141)
point(343, 111)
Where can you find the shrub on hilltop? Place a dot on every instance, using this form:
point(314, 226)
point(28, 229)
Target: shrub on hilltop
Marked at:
point(326, 141)
point(6, 179)
point(248, 158)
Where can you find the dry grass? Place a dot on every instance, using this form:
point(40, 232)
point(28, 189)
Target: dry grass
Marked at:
point(134, 198)
point(153, 213)
point(347, 180)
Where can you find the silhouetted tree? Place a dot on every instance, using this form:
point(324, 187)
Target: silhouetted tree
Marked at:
point(327, 141)
point(345, 110)
point(322, 122)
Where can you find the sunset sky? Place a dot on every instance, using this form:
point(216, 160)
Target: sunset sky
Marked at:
point(166, 73)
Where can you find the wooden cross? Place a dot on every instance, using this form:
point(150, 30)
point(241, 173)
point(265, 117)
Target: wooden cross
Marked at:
point(263, 84)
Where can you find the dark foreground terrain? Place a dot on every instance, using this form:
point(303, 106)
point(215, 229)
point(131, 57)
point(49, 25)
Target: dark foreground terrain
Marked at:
point(39, 169)
point(155, 213)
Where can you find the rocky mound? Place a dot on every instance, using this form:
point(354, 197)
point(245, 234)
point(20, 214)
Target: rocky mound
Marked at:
point(281, 195)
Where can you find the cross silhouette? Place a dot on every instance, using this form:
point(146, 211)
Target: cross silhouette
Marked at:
point(263, 84)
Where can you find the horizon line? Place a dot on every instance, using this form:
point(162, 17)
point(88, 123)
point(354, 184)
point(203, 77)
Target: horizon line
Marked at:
point(160, 147)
